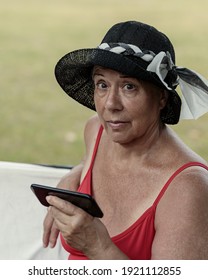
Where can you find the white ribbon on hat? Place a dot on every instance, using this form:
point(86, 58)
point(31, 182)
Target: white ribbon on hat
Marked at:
point(194, 87)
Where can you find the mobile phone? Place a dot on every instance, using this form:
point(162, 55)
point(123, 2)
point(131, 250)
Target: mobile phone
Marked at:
point(84, 201)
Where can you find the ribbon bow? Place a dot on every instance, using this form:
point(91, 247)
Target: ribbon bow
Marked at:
point(194, 87)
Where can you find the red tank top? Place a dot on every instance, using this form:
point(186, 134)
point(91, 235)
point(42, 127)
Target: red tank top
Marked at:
point(135, 241)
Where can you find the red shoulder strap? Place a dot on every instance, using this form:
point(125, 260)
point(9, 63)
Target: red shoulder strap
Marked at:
point(96, 145)
point(179, 170)
point(86, 185)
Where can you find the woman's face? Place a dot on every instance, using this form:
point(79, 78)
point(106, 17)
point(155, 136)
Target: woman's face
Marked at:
point(128, 108)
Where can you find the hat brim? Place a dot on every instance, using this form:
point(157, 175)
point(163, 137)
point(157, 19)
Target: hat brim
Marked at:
point(74, 74)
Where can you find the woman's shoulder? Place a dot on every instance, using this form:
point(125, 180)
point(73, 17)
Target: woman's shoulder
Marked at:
point(188, 170)
point(189, 183)
point(91, 129)
point(93, 122)
point(90, 135)
point(182, 215)
point(181, 152)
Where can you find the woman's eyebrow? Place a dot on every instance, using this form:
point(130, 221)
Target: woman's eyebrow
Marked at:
point(97, 74)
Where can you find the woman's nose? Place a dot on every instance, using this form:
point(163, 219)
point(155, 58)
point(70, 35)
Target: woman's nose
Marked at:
point(113, 100)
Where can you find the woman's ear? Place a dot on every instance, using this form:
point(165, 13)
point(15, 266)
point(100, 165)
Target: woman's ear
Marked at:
point(163, 98)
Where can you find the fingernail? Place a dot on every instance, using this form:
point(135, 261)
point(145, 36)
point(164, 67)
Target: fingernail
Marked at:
point(48, 198)
point(51, 245)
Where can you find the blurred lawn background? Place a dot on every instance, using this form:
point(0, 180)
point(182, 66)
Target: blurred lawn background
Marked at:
point(38, 122)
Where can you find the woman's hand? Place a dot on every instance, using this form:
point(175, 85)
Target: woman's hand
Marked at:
point(70, 181)
point(79, 229)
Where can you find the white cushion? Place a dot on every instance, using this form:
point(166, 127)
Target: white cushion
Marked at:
point(22, 215)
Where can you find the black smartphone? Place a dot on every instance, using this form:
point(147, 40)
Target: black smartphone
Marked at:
point(84, 201)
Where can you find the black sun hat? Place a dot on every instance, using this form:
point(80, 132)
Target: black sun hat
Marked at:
point(128, 47)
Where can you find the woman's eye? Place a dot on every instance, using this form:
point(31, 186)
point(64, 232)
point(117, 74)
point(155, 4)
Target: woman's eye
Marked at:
point(101, 85)
point(129, 87)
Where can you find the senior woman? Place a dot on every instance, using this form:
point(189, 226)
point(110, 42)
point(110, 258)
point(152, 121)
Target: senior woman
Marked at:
point(152, 188)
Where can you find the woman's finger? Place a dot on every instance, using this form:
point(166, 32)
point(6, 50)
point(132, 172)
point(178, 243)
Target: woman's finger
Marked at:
point(64, 206)
point(47, 225)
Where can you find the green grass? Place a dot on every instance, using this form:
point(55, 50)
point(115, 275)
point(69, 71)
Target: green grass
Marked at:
point(38, 122)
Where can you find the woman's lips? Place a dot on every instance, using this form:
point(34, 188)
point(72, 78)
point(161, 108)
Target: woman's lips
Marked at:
point(116, 124)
